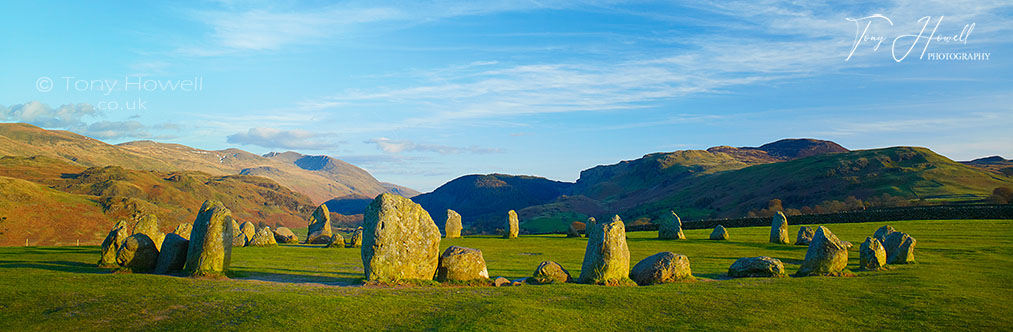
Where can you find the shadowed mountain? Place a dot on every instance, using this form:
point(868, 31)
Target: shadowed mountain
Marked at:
point(993, 163)
point(483, 200)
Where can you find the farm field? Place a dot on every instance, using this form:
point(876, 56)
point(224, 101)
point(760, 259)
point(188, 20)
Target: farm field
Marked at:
point(962, 281)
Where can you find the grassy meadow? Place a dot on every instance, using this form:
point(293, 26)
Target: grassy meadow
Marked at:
point(963, 281)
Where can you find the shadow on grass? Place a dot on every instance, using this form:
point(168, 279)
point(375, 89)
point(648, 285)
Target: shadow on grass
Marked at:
point(60, 266)
point(299, 276)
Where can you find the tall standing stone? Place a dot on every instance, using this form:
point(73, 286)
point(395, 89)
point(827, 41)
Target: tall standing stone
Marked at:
point(148, 225)
point(400, 241)
point(589, 226)
point(112, 243)
point(826, 255)
point(210, 249)
point(670, 227)
point(453, 225)
point(319, 231)
point(900, 248)
point(805, 235)
point(872, 256)
point(512, 227)
point(248, 230)
point(172, 257)
point(606, 257)
point(779, 229)
point(356, 240)
point(719, 233)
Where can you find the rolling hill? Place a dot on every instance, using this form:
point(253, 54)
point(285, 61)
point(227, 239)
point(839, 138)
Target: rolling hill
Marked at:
point(485, 199)
point(321, 178)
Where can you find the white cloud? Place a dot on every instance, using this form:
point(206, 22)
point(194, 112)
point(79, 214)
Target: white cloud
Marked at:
point(398, 146)
point(114, 129)
point(39, 114)
point(286, 139)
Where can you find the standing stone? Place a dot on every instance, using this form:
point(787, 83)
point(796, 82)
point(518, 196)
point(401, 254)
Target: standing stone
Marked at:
point(263, 238)
point(719, 233)
point(511, 228)
point(337, 241)
point(826, 255)
point(319, 231)
point(138, 253)
point(400, 241)
point(210, 249)
point(183, 230)
point(872, 256)
point(461, 264)
point(882, 232)
point(453, 225)
point(762, 266)
point(805, 235)
point(550, 272)
point(576, 229)
point(112, 244)
point(606, 258)
point(589, 226)
point(663, 267)
point(148, 225)
point(779, 229)
point(248, 230)
point(238, 239)
point(671, 227)
point(900, 248)
point(285, 235)
point(172, 257)
point(356, 241)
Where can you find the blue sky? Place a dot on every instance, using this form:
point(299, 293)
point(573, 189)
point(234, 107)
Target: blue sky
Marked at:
point(421, 93)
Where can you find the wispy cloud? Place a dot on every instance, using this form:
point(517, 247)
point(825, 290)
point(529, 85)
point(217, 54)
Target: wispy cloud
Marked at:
point(75, 117)
point(285, 139)
point(398, 146)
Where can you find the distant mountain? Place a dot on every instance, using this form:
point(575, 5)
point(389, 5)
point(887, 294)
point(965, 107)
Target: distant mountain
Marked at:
point(321, 178)
point(483, 200)
point(50, 201)
point(349, 205)
point(993, 163)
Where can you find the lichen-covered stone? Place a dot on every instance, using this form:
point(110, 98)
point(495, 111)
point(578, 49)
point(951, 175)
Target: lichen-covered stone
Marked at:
point(239, 240)
point(589, 226)
point(719, 233)
point(550, 272)
point(210, 249)
point(263, 238)
point(900, 248)
point(319, 231)
point(606, 257)
point(826, 255)
point(751, 267)
point(138, 254)
point(112, 243)
point(779, 229)
point(400, 241)
point(871, 255)
point(663, 267)
point(453, 225)
point(576, 229)
point(501, 281)
point(461, 264)
point(512, 226)
point(148, 225)
point(805, 235)
point(172, 257)
point(337, 241)
point(248, 230)
point(356, 240)
point(183, 230)
point(882, 232)
point(285, 235)
point(670, 227)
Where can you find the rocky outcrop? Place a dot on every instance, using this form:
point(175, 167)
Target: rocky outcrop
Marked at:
point(606, 257)
point(900, 248)
point(210, 251)
point(319, 231)
point(400, 241)
point(660, 268)
point(112, 243)
point(670, 227)
point(285, 235)
point(872, 256)
point(453, 225)
point(751, 267)
point(779, 229)
point(549, 272)
point(826, 255)
point(719, 233)
point(172, 257)
point(512, 227)
point(805, 235)
point(138, 254)
point(461, 264)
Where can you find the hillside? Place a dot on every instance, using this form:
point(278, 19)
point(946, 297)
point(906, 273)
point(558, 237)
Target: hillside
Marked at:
point(51, 202)
point(321, 178)
point(483, 200)
point(993, 163)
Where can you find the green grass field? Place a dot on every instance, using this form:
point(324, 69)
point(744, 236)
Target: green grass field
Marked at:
point(963, 281)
